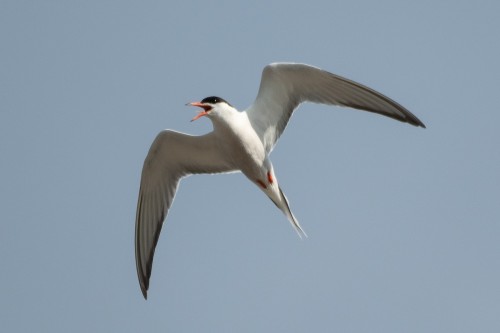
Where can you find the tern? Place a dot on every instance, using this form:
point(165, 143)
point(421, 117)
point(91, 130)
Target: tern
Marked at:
point(242, 142)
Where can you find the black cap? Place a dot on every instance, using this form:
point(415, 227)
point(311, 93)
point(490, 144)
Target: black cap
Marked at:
point(214, 100)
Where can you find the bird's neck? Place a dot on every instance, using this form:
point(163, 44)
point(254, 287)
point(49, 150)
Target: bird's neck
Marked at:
point(226, 118)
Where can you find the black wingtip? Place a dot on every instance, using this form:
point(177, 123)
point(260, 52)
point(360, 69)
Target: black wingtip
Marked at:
point(410, 118)
point(415, 121)
point(144, 284)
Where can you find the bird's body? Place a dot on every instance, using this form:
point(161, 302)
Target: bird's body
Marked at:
point(241, 141)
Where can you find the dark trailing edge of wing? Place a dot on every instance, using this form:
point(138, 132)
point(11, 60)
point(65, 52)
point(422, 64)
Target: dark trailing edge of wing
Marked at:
point(144, 276)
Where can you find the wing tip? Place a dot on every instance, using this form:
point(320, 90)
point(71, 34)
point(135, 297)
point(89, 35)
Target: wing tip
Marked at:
point(416, 122)
point(421, 124)
point(144, 293)
point(412, 119)
point(144, 284)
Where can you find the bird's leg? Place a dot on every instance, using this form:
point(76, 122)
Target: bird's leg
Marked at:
point(268, 180)
point(270, 177)
point(262, 184)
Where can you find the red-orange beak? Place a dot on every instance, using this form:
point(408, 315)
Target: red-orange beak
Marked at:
point(205, 107)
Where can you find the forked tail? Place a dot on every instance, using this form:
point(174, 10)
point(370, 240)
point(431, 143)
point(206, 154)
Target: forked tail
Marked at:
point(284, 206)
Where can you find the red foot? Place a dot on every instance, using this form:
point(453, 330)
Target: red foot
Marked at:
point(270, 177)
point(261, 183)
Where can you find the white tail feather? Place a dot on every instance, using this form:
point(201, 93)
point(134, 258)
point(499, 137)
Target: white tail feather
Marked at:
point(280, 200)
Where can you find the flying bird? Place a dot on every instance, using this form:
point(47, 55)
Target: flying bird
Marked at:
point(242, 141)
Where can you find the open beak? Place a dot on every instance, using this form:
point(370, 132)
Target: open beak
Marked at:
point(205, 107)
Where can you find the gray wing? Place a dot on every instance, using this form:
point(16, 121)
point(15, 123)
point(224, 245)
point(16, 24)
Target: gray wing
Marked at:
point(284, 86)
point(172, 156)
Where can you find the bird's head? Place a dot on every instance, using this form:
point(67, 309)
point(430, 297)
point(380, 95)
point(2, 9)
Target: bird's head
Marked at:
point(212, 106)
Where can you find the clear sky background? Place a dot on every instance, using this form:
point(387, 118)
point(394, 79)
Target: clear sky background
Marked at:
point(403, 222)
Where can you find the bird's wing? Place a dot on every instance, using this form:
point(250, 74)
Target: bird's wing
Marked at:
point(172, 156)
point(284, 86)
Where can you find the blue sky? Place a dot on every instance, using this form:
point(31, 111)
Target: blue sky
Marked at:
point(403, 222)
